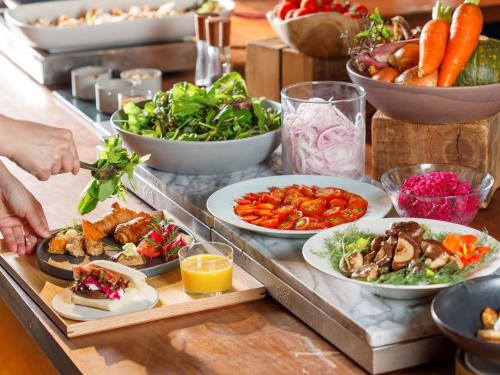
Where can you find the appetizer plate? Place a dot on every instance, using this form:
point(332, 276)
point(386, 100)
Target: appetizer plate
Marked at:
point(315, 245)
point(221, 203)
point(61, 266)
point(136, 302)
point(457, 312)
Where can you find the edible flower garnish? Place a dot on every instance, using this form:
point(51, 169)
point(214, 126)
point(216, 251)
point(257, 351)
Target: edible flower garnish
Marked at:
point(464, 246)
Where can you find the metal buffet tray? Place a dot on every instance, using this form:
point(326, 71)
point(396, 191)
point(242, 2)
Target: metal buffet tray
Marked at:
point(54, 68)
point(381, 335)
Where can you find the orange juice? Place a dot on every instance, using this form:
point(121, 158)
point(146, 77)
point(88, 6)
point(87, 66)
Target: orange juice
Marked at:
point(206, 273)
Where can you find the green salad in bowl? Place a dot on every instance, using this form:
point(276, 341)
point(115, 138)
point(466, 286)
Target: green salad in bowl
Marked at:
point(187, 112)
point(195, 130)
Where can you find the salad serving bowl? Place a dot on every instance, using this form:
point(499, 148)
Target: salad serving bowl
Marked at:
point(430, 105)
point(314, 252)
point(201, 158)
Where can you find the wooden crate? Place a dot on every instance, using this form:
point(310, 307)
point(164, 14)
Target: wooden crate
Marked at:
point(399, 143)
point(271, 65)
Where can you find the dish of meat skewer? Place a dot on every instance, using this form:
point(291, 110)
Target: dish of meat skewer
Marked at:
point(146, 241)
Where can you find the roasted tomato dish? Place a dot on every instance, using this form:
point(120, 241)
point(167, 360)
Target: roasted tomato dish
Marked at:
point(300, 207)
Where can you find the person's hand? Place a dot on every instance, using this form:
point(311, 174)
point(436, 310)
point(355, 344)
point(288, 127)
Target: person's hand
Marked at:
point(22, 220)
point(39, 149)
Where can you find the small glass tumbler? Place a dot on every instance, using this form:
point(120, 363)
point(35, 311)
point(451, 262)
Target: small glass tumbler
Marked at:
point(133, 95)
point(206, 268)
point(323, 129)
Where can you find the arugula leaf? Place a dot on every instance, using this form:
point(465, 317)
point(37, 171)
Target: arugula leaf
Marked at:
point(114, 157)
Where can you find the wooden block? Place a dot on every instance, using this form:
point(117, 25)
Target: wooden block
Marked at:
point(272, 65)
point(262, 70)
point(399, 143)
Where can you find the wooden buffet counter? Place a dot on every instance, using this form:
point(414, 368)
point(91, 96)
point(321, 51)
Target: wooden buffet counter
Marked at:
point(254, 338)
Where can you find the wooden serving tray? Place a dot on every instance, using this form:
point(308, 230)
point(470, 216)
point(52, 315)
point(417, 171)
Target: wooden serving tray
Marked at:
point(172, 299)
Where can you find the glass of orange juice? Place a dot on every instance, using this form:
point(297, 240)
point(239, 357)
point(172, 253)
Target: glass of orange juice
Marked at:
point(206, 268)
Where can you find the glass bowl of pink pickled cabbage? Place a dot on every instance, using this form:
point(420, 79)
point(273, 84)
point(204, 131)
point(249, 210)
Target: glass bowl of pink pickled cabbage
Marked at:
point(446, 192)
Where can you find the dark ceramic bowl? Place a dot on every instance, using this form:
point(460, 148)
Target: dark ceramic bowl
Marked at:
point(429, 105)
point(457, 312)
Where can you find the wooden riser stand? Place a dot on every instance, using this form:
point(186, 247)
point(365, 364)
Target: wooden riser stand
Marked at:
point(400, 143)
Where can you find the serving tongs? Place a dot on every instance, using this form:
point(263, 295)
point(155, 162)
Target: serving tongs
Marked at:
point(104, 174)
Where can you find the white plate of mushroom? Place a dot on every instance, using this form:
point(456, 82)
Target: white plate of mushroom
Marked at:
point(403, 258)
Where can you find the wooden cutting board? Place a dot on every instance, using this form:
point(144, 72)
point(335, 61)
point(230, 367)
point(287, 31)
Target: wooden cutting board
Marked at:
point(172, 299)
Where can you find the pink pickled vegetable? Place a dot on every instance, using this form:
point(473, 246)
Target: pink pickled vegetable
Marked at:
point(457, 204)
point(319, 139)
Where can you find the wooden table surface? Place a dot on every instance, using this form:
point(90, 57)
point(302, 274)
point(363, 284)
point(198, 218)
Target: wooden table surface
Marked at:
point(259, 337)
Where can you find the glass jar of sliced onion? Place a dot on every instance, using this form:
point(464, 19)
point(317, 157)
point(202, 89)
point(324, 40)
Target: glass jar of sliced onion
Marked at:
point(323, 129)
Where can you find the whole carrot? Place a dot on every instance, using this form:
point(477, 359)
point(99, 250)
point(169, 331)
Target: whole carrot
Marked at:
point(434, 39)
point(466, 27)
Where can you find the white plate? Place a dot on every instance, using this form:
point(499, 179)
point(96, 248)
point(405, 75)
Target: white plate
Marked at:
point(378, 226)
point(221, 203)
point(137, 302)
point(114, 34)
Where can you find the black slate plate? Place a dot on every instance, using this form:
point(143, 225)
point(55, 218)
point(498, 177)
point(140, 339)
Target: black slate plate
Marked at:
point(457, 312)
point(60, 265)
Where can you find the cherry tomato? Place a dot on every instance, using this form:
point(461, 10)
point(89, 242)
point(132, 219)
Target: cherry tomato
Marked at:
point(284, 8)
point(271, 223)
point(337, 202)
point(312, 207)
point(277, 192)
point(333, 221)
point(267, 213)
point(268, 198)
point(311, 5)
point(302, 223)
point(301, 12)
point(325, 3)
point(290, 198)
point(352, 214)
point(249, 218)
point(243, 201)
point(356, 202)
point(307, 191)
point(252, 197)
point(148, 250)
point(332, 212)
point(286, 225)
point(265, 206)
point(280, 217)
point(357, 11)
point(285, 209)
point(259, 221)
point(338, 6)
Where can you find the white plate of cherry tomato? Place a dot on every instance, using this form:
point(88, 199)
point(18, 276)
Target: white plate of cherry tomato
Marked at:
point(297, 206)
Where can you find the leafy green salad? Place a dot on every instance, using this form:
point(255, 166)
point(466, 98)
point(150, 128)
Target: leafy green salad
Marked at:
point(115, 160)
point(341, 247)
point(187, 112)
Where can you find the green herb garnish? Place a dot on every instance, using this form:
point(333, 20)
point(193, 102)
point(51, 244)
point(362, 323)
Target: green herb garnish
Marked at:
point(116, 158)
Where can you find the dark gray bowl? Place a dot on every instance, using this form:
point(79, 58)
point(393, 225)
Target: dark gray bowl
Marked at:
point(429, 105)
point(201, 158)
point(457, 312)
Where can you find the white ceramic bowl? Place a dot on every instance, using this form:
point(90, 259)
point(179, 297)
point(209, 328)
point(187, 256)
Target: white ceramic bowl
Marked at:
point(201, 158)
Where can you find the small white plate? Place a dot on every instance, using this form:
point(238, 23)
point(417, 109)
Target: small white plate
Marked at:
point(221, 203)
point(316, 245)
point(137, 302)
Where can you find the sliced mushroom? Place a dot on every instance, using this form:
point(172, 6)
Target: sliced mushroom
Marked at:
point(377, 243)
point(368, 271)
point(432, 249)
point(393, 241)
point(355, 261)
point(411, 228)
point(406, 250)
point(368, 258)
point(440, 261)
point(384, 255)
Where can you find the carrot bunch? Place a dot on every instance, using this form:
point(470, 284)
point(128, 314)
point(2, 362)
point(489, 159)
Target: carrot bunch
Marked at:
point(448, 48)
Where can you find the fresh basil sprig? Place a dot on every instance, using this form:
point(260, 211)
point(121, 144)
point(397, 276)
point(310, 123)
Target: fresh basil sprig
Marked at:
point(115, 158)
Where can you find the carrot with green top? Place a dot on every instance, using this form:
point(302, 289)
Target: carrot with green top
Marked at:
point(466, 27)
point(434, 39)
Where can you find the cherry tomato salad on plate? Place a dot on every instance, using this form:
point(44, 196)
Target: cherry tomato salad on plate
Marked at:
point(300, 207)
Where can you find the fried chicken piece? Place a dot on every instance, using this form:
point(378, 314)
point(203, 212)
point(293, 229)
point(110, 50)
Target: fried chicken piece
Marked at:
point(132, 231)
